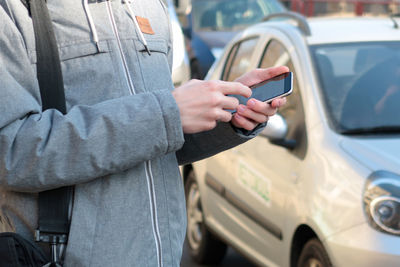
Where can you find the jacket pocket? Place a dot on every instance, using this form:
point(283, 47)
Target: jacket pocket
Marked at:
point(91, 75)
point(155, 67)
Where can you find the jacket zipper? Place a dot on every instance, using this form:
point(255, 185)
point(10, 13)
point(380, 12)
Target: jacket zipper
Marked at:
point(147, 166)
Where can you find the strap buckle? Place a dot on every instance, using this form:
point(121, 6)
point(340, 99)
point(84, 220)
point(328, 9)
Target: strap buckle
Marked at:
point(57, 244)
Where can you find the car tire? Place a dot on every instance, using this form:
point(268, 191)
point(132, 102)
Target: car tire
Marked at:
point(314, 254)
point(204, 247)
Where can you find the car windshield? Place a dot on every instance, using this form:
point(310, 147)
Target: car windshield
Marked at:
point(230, 15)
point(360, 83)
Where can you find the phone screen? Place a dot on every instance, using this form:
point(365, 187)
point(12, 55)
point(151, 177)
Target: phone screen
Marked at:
point(270, 89)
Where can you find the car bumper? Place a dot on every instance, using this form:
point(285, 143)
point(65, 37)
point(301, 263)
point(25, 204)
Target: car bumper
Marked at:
point(363, 246)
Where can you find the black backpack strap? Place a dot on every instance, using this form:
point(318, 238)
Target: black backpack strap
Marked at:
point(48, 61)
point(54, 205)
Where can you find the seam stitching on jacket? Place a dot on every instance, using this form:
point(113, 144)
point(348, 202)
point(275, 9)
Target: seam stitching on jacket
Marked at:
point(168, 214)
point(96, 226)
point(10, 15)
point(165, 122)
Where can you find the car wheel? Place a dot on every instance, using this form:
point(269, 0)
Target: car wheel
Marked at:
point(314, 254)
point(204, 247)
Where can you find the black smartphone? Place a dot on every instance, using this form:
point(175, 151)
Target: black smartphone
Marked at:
point(268, 90)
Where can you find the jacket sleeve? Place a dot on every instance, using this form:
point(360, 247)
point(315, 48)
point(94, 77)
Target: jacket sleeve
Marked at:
point(206, 144)
point(45, 150)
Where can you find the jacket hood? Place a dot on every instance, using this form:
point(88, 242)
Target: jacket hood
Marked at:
point(375, 153)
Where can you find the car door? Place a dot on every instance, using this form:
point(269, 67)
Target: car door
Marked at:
point(238, 62)
point(260, 176)
point(225, 211)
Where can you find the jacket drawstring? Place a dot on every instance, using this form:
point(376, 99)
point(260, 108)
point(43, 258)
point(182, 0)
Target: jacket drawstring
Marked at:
point(135, 22)
point(91, 24)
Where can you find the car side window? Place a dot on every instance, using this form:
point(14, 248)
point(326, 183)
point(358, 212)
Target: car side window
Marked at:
point(277, 55)
point(239, 59)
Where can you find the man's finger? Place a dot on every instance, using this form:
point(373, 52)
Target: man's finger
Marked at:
point(277, 103)
point(251, 114)
point(225, 116)
point(231, 88)
point(230, 103)
point(261, 107)
point(259, 75)
point(242, 122)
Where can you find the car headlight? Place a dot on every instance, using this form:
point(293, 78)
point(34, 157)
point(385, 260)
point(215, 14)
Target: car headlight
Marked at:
point(382, 201)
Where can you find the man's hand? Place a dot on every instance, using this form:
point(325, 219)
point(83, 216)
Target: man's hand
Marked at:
point(255, 112)
point(202, 103)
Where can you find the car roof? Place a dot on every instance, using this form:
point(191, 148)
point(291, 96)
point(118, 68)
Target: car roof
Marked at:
point(327, 30)
point(356, 29)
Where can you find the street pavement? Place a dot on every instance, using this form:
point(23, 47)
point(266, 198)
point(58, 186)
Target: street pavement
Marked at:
point(232, 259)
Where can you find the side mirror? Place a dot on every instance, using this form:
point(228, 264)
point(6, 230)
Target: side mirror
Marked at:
point(276, 131)
point(276, 128)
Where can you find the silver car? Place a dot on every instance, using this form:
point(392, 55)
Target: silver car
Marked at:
point(320, 186)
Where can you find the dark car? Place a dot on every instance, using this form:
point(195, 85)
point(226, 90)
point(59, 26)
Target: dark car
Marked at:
point(211, 24)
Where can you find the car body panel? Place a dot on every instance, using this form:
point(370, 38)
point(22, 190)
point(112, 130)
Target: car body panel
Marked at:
point(257, 195)
point(375, 153)
point(367, 248)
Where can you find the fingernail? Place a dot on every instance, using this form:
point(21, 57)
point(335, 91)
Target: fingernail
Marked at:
point(251, 103)
point(240, 109)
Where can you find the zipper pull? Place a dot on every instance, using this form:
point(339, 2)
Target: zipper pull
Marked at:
point(147, 49)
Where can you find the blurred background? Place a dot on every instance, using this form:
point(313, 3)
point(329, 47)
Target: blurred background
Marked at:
point(202, 29)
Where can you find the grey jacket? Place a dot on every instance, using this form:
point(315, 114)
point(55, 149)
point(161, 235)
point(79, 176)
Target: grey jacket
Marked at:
point(120, 142)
